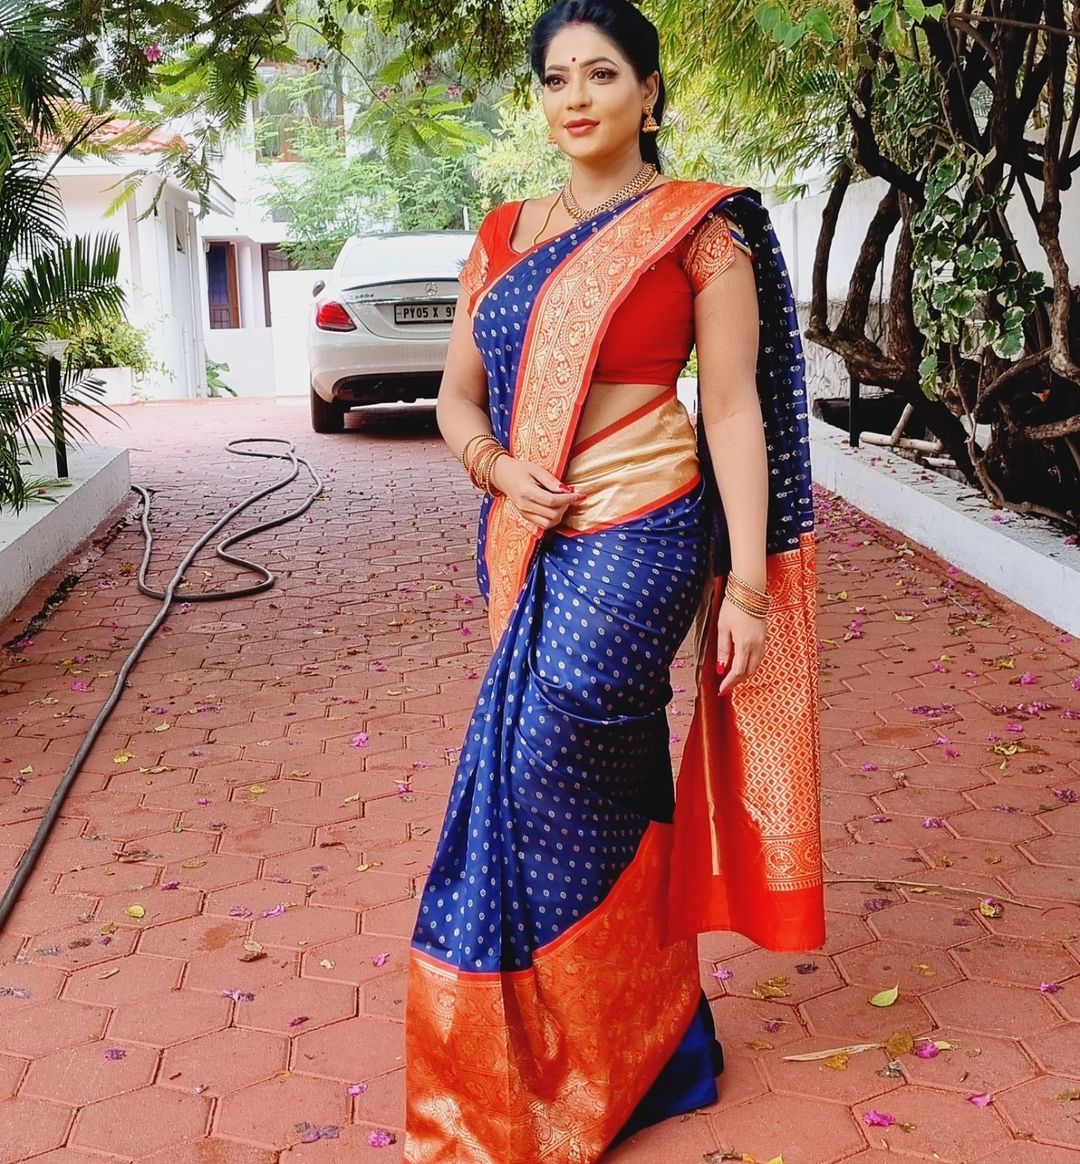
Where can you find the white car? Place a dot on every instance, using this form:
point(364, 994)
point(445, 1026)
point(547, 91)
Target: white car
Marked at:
point(380, 322)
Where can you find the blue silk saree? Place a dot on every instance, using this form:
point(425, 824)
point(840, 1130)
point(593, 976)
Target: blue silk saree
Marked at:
point(554, 997)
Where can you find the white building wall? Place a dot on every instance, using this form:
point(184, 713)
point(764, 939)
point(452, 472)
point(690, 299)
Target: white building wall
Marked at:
point(290, 304)
point(161, 283)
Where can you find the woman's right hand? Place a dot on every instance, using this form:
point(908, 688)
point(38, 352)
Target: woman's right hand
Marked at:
point(537, 495)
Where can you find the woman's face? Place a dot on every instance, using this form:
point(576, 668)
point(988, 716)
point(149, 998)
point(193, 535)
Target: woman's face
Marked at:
point(593, 99)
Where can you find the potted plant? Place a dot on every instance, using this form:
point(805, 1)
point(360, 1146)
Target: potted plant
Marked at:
point(116, 353)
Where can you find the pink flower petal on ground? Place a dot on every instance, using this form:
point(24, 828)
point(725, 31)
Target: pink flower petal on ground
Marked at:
point(203, 801)
point(115, 1053)
point(927, 1050)
point(1076, 683)
point(952, 753)
point(78, 685)
point(299, 1020)
point(878, 1119)
point(983, 1099)
point(381, 1139)
point(276, 911)
point(379, 959)
point(360, 740)
point(239, 911)
point(1065, 795)
point(933, 822)
point(466, 631)
point(869, 766)
point(1049, 987)
point(170, 885)
point(356, 1088)
point(722, 974)
point(1014, 727)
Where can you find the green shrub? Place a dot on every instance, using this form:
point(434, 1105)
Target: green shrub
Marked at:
point(116, 344)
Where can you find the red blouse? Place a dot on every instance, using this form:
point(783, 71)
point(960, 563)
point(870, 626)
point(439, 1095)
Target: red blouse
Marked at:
point(651, 334)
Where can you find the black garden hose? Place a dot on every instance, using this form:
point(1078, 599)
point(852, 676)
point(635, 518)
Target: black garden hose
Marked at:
point(167, 596)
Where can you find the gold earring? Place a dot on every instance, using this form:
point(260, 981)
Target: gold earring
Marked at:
point(651, 125)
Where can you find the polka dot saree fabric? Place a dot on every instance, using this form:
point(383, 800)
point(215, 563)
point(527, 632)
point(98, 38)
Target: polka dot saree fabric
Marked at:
point(554, 1002)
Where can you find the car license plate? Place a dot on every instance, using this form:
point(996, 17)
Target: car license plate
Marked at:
point(424, 312)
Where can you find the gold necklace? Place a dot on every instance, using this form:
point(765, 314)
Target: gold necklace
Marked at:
point(547, 219)
point(636, 185)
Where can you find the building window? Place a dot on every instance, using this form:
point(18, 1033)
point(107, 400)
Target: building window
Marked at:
point(222, 288)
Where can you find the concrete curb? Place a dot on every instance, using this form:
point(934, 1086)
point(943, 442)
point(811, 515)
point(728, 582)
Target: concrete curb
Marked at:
point(1024, 558)
point(39, 538)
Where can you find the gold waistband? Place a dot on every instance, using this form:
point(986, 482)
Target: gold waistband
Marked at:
point(632, 465)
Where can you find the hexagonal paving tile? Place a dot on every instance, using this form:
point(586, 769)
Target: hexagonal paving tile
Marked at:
point(51, 1026)
point(975, 1063)
point(1057, 1050)
point(83, 1075)
point(847, 1014)
point(30, 1126)
point(943, 1126)
point(914, 969)
point(992, 1008)
point(267, 1113)
point(1036, 1110)
point(225, 1061)
point(168, 1017)
point(1024, 961)
point(356, 1048)
point(281, 1008)
point(820, 1131)
point(141, 1122)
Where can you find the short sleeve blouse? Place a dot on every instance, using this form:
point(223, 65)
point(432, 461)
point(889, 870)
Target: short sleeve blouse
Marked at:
point(651, 334)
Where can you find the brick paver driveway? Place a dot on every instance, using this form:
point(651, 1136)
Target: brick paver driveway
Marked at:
point(272, 784)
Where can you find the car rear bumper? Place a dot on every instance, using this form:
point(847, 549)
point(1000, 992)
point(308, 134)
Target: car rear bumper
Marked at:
point(359, 368)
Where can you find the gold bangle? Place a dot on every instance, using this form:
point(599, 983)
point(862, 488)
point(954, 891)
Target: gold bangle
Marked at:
point(734, 578)
point(489, 484)
point(480, 438)
point(479, 457)
point(481, 467)
point(758, 613)
point(752, 598)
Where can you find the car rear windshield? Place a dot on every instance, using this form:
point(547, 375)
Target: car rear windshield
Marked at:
point(403, 257)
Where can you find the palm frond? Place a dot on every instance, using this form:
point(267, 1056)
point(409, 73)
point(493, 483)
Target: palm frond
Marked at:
point(73, 283)
point(31, 211)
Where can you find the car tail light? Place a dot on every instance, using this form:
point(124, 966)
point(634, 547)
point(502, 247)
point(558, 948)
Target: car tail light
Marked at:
point(331, 316)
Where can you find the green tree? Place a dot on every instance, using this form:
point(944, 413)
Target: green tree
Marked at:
point(48, 283)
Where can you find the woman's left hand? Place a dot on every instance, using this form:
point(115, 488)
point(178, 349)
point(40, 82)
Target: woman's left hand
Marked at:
point(740, 645)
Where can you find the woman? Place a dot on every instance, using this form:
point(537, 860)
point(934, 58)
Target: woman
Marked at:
point(554, 1000)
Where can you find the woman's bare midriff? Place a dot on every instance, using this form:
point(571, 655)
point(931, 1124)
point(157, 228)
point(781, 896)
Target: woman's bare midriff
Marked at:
point(607, 403)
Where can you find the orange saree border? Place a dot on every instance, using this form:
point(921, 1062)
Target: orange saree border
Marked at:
point(747, 847)
point(561, 344)
point(501, 1067)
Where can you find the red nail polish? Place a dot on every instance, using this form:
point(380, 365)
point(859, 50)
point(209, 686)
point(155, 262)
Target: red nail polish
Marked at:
point(721, 668)
point(566, 489)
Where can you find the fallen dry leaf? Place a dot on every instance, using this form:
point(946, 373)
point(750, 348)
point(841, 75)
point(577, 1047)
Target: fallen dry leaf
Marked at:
point(252, 951)
point(899, 1044)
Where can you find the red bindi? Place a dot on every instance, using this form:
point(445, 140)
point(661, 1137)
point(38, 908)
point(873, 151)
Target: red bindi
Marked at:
point(573, 60)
